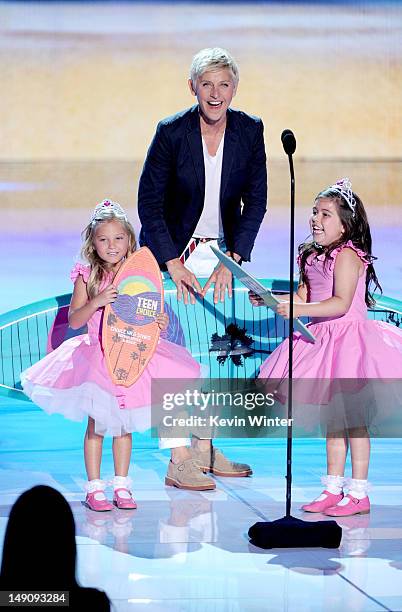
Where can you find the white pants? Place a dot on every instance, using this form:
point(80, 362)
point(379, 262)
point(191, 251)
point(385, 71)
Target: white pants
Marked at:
point(201, 262)
point(173, 442)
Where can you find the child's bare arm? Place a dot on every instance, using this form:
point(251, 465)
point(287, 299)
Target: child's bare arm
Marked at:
point(348, 269)
point(81, 308)
point(299, 296)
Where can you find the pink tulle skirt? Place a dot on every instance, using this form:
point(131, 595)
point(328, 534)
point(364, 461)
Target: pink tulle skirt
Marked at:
point(351, 377)
point(343, 349)
point(73, 380)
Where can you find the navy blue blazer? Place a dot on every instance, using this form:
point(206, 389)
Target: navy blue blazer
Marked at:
point(172, 184)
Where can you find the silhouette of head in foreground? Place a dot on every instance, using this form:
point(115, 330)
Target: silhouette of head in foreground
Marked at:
point(39, 551)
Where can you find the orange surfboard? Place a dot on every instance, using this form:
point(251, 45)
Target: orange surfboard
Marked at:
point(129, 332)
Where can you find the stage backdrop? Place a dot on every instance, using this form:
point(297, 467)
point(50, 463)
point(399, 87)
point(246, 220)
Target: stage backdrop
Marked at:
point(84, 84)
point(90, 80)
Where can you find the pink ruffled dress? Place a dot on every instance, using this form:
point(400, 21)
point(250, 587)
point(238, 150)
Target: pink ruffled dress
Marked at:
point(74, 381)
point(347, 347)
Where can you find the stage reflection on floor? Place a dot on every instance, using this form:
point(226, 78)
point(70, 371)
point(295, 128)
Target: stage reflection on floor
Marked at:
point(189, 551)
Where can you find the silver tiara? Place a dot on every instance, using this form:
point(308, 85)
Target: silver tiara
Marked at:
point(104, 209)
point(344, 188)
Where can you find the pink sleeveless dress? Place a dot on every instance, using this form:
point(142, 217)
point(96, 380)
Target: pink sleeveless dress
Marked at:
point(348, 346)
point(351, 376)
point(74, 381)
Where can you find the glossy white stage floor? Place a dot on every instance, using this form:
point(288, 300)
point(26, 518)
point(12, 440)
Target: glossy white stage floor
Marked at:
point(188, 551)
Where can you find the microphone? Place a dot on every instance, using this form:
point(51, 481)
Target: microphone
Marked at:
point(291, 532)
point(288, 142)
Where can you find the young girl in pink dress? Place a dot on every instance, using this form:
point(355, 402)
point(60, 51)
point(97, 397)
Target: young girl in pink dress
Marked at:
point(336, 272)
point(74, 381)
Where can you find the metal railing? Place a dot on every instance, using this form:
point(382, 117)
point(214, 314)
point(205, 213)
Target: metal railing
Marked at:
point(231, 339)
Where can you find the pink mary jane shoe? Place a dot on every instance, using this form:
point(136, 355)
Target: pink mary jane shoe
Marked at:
point(97, 501)
point(123, 500)
point(324, 501)
point(348, 506)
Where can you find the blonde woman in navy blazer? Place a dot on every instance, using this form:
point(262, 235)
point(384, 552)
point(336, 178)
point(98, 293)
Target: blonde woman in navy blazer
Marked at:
point(172, 185)
point(204, 181)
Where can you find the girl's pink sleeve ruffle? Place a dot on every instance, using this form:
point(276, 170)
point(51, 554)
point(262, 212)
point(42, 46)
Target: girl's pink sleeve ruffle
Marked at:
point(80, 269)
point(349, 245)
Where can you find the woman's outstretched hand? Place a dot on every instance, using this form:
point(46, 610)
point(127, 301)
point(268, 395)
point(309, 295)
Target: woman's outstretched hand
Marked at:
point(185, 281)
point(221, 278)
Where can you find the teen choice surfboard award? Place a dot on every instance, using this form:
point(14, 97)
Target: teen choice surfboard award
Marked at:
point(129, 332)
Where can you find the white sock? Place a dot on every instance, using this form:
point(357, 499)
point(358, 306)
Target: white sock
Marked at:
point(96, 485)
point(358, 488)
point(333, 484)
point(120, 482)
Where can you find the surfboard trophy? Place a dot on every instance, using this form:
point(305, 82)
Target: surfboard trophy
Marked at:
point(130, 333)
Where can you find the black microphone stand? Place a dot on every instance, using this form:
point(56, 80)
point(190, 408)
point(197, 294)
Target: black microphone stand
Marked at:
point(291, 532)
point(291, 326)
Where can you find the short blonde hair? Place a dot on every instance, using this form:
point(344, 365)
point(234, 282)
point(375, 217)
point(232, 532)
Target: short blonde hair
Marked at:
point(213, 58)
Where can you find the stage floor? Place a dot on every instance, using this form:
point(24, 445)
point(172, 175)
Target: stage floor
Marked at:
point(189, 551)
